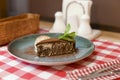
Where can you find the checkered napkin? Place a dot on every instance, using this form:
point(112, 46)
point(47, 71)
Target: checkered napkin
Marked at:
point(14, 69)
point(76, 74)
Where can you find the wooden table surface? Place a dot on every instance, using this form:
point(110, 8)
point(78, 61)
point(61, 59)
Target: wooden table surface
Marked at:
point(106, 35)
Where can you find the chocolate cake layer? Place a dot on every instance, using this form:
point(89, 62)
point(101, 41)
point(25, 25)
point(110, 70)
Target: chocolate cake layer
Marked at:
point(54, 47)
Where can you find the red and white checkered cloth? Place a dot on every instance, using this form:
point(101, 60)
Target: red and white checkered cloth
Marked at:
point(112, 65)
point(14, 69)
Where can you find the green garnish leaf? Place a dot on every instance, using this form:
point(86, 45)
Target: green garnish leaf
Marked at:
point(68, 36)
point(67, 29)
point(72, 34)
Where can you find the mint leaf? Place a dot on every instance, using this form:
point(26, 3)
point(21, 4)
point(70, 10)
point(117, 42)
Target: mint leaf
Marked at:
point(72, 34)
point(60, 37)
point(68, 36)
point(67, 29)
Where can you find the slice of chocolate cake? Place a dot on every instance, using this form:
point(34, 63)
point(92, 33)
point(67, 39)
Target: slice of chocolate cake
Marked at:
point(46, 46)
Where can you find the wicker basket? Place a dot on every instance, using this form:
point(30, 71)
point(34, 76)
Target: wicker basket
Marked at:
point(17, 26)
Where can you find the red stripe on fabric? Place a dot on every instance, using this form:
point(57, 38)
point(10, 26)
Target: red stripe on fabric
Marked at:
point(12, 69)
point(116, 50)
point(3, 52)
point(100, 62)
point(27, 76)
point(73, 76)
point(107, 43)
point(13, 58)
point(111, 56)
point(1, 63)
point(60, 73)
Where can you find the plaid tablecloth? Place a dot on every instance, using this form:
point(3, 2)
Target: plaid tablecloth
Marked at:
point(14, 69)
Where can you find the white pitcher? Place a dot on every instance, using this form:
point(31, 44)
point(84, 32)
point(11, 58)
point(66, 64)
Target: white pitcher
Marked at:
point(80, 8)
point(73, 21)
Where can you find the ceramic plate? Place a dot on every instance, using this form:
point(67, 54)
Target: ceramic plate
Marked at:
point(23, 49)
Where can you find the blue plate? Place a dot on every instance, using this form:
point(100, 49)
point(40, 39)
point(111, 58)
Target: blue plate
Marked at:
point(23, 49)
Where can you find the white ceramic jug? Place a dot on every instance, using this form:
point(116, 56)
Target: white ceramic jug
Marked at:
point(72, 7)
point(73, 21)
point(82, 9)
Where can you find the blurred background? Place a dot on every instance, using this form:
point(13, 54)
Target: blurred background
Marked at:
point(105, 14)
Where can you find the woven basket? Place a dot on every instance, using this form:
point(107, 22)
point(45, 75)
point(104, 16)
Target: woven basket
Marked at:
point(17, 26)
